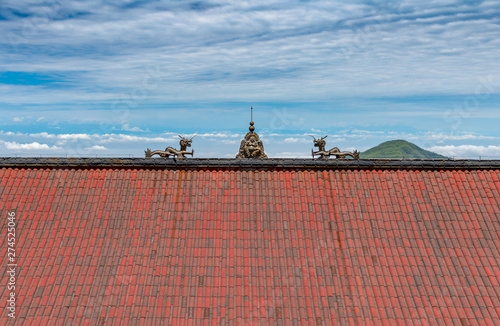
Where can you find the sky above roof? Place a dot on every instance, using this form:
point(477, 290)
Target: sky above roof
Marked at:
point(85, 78)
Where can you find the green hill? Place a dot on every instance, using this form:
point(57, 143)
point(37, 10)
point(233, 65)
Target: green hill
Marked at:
point(399, 149)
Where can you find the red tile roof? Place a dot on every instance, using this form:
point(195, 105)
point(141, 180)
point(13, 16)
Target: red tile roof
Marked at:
point(128, 245)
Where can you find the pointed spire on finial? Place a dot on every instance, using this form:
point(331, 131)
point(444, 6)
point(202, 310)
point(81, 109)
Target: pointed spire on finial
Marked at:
point(251, 128)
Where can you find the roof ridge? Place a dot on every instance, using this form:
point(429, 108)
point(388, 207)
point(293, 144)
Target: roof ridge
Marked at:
point(248, 163)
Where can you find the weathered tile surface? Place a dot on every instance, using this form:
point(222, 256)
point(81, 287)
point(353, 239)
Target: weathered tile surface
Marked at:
point(253, 246)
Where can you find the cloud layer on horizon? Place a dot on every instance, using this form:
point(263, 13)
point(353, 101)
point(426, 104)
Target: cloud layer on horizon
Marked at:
point(226, 144)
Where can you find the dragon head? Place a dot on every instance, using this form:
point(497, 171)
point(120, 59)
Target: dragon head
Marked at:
point(186, 141)
point(319, 142)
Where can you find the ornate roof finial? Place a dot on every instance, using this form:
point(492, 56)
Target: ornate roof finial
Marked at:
point(251, 146)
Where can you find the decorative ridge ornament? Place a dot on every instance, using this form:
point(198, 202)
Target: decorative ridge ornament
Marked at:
point(251, 146)
point(323, 154)
point(170, 151)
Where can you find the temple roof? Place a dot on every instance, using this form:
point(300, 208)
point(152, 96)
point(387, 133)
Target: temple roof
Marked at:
point(247, 163)
point(254, 241)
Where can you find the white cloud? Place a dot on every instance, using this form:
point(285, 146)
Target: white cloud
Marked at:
point(467, 151)
point(71, 137)
point(109, 138)
point(289, 155)
point(97, 148)
point(43, 135)
point(218, 135)
point(367, 132)
point(126, 127)
point(10, 133)
point(29, 146)
point(17, 119)
point(443, 136)
point(297, 140)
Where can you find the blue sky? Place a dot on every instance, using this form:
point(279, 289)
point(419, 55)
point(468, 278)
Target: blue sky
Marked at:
point(112, 78)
